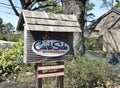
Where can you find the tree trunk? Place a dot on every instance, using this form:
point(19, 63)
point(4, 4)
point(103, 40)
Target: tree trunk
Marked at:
point(76, 7)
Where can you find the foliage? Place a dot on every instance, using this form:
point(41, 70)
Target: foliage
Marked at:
point(32, 5)
point(6, 28)
point(55, 6)
point(79, 72)
point(95, 44)
point(8, 59)
point(85, 73)
point(89, 6)
point(110, 3)
point(117, 5)
point(9, 28)
point(11, 37)
point(1, 25)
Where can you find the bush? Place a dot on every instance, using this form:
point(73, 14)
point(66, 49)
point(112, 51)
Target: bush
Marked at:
point(8, 57)
point(85, 73)
point(81, 72)
point(10, 37)
point(94, 43)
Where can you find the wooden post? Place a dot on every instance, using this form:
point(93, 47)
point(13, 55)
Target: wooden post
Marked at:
point(60, 79)
point(38, 80)
point(59, 74)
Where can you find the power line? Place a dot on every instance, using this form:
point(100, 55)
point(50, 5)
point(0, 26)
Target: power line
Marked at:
point(8, 5)
point(7, 12)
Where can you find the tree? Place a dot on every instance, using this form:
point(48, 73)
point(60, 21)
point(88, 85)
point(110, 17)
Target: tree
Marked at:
point(9, 28)
point(77, 7)
point(89, 5)
point(32, 5)
point(56, 8)
point(89, 16)
point(6, 28)
point(117, 5)
point(1, 25)
point(110, 3)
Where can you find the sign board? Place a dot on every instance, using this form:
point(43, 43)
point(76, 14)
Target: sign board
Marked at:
point(47, 36)
point(50, 48)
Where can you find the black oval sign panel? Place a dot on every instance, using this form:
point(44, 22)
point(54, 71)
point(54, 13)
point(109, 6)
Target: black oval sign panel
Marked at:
point(50, 48)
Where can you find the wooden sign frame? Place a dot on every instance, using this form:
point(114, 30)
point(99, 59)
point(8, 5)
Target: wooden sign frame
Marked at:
point(34, 25)
point(59, 74)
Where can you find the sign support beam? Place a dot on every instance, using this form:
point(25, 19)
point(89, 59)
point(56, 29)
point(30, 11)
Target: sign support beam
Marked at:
point(38, 80)
point(60, 79)
point(59, 74)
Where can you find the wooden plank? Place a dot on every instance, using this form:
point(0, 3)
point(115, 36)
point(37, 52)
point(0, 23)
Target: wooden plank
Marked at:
point(25, 45)
point(50, 75)
point(50, 67)
point(51, 22)
point(32, 58)
point(44, 15)
point(53, 28)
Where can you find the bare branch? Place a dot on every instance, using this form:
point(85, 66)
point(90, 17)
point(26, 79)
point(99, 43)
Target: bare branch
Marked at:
point(13, 7)
point(41, 7)
point(22, 3)
point(31, 5)
point(48, 4)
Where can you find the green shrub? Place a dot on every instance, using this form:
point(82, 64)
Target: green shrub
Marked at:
point(10, 37)
point(8, 57)
point(85, 73)
point(94, 43)
point(81, 72)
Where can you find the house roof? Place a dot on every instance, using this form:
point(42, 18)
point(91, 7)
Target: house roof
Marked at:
point(94, 24)
point(42, 21)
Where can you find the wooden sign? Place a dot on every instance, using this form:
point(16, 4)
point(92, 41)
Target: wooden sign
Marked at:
point(47, 36)
point(55, 71)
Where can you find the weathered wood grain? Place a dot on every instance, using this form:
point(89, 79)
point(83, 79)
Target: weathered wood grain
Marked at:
point(53, 28)
point(50, 75)
point(48, 22)
point(44, 15)
point(50, 67)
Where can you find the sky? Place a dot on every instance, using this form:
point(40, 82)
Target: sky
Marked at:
point(7, 14)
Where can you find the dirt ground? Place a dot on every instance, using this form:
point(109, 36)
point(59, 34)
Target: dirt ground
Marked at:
point(15, 85)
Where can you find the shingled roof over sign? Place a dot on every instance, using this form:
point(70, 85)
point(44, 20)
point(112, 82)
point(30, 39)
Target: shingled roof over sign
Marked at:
point(42, 21)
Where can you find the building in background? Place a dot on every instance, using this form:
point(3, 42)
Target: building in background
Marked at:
point(107, 27)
